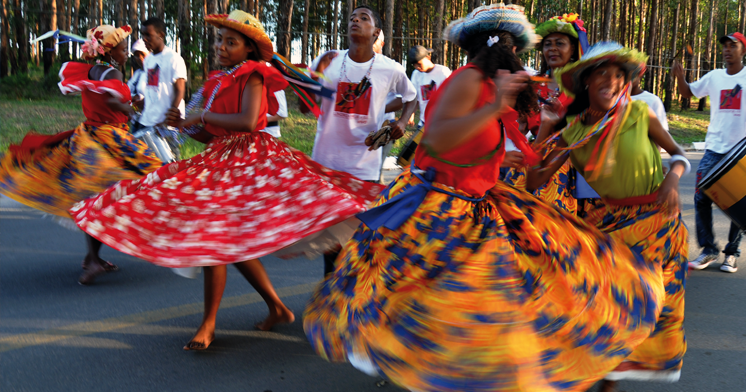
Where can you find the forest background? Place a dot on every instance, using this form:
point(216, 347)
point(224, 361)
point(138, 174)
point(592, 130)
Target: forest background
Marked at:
point(303, 29)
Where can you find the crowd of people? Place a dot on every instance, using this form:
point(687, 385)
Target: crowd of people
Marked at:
point(535, 242)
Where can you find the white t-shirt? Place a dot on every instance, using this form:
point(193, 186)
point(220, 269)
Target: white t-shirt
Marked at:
point(727, 110)
point(654, 103)
point(162, 71)
point(349, 117)
point(282, 111)
point(137, 83)
point(426, 83)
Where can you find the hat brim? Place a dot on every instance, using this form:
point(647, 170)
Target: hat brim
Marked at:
point(570, 76)
point(260, 38)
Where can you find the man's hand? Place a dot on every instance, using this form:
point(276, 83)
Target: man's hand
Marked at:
point(397, 129)
point(513, 159)
point(326, 59)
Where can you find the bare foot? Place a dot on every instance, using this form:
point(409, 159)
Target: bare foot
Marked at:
point(109, 267)
point(91, 270)
point(201, 339)
point(279, 316)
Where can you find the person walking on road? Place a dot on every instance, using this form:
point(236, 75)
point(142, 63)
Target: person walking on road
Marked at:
point(727, 127)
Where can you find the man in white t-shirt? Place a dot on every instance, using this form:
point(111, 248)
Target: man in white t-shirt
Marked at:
point(655, 103)
point(362, 80)
point(426, 77)
point(273, 120)
point(166, 77)
point(138, 80)
point(727, 128)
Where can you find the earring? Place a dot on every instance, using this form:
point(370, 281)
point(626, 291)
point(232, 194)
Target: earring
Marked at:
point(586, 87)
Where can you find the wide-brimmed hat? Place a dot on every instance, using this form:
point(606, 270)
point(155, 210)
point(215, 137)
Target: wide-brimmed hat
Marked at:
point(568, 24)
point(570, 76)
point(493, 17)
point(247, 25)
point(102, 39)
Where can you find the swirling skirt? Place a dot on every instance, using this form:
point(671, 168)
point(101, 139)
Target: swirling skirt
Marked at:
point(661, 240)
point(244, 197)
point(506, 294)
point(557, 191)
point(61, 170)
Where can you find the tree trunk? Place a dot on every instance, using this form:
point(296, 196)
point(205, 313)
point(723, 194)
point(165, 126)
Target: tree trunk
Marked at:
point(20, 30)
point(4, 39)
point(670, 86)
point(284, 20)
point(708, 54)
point(398, 31)
point(388, 28)
point(640, 30)
point(335, 24)
point(142, 13)
point(250, 6)
point(185, 39)
point(133, 21)
point(49, 7)
point(159, 11)
point(438, 31)
point(690, 40)
point(742, 21)
point(63, 24)
point(211, 7)
point(304, 40)
point(650, 41)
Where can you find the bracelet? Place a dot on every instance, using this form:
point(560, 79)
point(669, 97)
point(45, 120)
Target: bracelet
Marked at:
point(202, 117)
point(680, 158)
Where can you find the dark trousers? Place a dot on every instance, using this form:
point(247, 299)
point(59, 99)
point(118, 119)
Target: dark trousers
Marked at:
point(703, 213)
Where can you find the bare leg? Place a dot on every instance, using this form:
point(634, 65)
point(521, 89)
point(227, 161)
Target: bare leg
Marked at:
point(607, 386)
point(214, 287)
point(254, 272)
point(93, 264)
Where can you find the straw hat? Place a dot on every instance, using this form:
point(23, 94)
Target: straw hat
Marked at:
point(631, 61)
point(503, 17)
point(247, 25)
point(102, 39)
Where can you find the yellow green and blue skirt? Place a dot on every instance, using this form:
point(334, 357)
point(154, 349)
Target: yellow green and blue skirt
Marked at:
point(557, 191)
point(661, 240)
point(502, 293)
point(52, 173)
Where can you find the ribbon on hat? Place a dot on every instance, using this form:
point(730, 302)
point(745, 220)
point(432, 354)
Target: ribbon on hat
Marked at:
point(301, 84)
point(492, 40)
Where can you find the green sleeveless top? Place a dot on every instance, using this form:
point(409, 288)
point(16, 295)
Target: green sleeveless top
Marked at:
point(638, 170)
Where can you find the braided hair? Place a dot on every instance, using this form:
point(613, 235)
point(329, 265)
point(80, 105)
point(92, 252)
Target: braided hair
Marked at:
point(500, 55)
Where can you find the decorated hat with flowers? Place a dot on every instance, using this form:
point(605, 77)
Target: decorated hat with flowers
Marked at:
point(568, 24)
point(103, 39)
point(493, 17)
point(570, 77)
point(247, 25)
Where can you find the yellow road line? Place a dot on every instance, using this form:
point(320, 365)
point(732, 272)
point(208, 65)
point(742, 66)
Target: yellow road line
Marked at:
point(47, 336)
point(687, 212)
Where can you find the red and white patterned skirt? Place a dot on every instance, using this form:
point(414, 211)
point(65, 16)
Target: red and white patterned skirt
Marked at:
point(244, 197)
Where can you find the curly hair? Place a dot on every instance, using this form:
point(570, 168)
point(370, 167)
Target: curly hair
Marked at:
point(490, 59)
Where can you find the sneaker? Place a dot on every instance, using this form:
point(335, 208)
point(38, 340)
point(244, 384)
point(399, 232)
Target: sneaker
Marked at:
point(730, 264)
point(702, 261)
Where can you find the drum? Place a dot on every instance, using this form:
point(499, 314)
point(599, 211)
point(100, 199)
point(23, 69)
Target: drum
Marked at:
point(407, 153)
point(725, 184)
point(162, 149)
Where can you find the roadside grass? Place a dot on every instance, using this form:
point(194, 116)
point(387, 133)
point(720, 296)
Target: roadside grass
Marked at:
point(34, 103)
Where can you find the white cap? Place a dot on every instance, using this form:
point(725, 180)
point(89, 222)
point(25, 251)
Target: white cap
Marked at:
point(139, 46)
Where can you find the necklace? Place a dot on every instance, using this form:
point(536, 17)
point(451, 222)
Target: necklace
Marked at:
point(363, 84)
point(104, 63)
point(595, 113)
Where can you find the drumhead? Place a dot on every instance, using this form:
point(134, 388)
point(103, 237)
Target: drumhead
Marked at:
point(728, 162)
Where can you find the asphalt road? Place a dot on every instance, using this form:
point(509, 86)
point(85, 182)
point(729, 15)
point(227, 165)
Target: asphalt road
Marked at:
point(125, 333)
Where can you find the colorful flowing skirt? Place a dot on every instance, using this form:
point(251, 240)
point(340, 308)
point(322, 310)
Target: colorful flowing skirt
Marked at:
point(661, 240)
point(557, 191)
point(244, 197)
point(52, 173)
point(507, 293)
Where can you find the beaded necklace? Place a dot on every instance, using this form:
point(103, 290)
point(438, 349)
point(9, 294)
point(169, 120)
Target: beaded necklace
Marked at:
point(105, 64)
point(365, 80)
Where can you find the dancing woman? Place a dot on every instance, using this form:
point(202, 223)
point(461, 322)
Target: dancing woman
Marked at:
point(563, 41)
point(245, 196)
point(613, 142)
point(52, 173)
point(445, 288)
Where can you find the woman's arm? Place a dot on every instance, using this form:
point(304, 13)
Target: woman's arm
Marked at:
point(454, 122)
point(668, 193)
point(539, 176)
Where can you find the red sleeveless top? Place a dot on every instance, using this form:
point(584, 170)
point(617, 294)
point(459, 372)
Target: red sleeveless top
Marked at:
point(75, 81)
point(475, 180)
point(229, 97)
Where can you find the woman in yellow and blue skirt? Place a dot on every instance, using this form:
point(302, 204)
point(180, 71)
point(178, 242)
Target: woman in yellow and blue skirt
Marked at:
point(446, 288)
point(52, 173)
point(613, 142)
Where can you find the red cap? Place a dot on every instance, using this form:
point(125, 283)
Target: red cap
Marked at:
point(735, 37)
